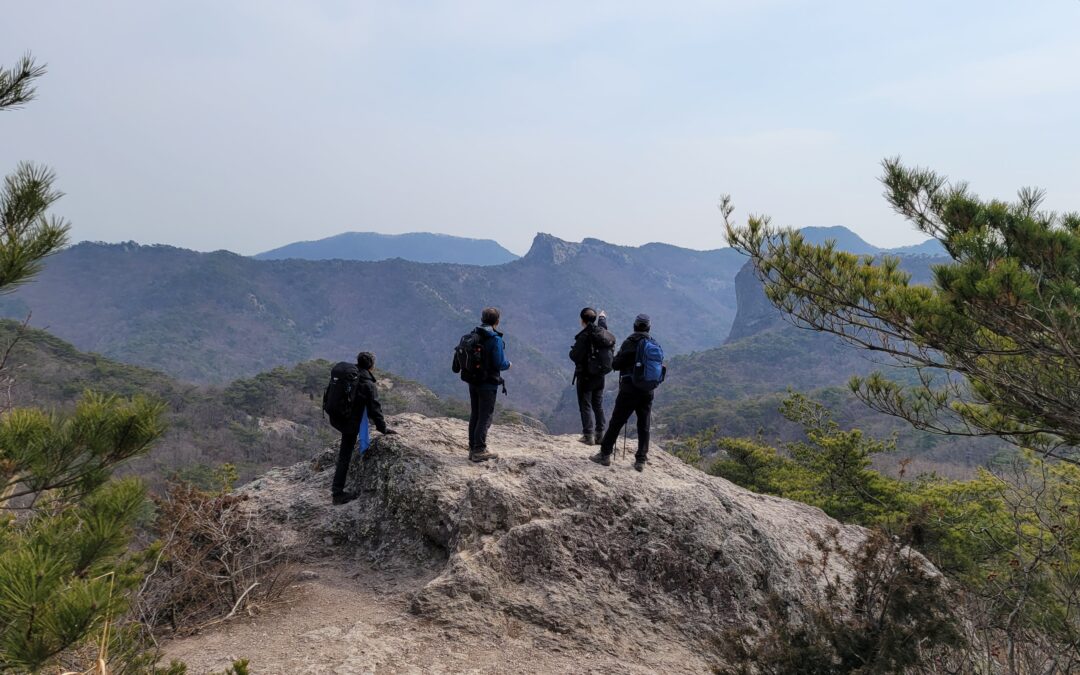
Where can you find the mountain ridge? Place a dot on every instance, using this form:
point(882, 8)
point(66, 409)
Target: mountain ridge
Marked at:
point(212, 317)
point(848, 240)
point(424, 247)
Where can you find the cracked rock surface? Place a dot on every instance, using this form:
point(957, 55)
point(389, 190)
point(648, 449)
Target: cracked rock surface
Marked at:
point(602, 558)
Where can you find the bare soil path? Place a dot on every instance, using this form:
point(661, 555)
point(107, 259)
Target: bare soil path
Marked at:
point(345, 624)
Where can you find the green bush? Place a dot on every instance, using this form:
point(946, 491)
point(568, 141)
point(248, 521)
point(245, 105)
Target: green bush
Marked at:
point(1008, 539)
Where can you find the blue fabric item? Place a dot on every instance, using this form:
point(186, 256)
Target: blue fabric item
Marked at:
point(363, 439)
point(648, 370)
point(495, 349)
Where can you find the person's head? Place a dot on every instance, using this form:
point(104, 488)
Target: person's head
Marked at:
point(490, 316)
point(365, 360)
point(642, 324)
point(588, 316)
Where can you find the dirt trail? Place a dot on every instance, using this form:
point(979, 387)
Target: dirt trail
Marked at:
point(351, 624)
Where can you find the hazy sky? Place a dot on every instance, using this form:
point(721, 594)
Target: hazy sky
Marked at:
point(246, 125)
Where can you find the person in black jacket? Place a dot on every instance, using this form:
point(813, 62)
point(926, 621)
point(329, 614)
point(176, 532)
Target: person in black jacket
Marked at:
point(630, 401)
point(367, 398)
point(590, 380)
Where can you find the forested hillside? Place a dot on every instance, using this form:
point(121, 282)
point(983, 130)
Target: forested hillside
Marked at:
point(737, 389)
point(214, 317)
point(270, 419)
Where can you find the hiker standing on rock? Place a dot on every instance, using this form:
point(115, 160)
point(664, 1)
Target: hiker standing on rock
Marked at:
point(480, 358)
point(352, 392)
point(592, 355)
point(640, 362)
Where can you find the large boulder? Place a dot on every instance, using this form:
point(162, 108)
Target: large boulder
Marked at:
point(604, 556)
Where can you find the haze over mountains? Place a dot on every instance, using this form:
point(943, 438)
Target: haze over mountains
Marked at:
point(431, 247)
point(736, 388)
point(415, 246)
point(212, 317)
point(846, 240)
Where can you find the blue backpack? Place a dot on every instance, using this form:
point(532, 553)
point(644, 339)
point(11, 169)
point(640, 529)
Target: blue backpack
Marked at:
point(649, 370)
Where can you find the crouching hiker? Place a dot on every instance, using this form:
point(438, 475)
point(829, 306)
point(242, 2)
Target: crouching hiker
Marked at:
point(480, 359)
point(592, 356)
point(351, 393)
point(640, 362)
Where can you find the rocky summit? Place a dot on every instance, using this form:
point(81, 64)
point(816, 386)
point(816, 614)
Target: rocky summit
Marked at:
point(602, 558)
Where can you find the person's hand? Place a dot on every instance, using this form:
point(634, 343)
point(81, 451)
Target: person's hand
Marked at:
point(509, 365)
point(390, 432)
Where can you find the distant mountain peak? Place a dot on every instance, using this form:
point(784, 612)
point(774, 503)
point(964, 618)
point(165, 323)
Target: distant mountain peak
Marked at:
point(549, 248)
point(424, 247)
point(846, 240)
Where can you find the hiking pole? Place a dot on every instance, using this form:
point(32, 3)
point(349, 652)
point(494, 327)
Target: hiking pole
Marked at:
point(625, 430)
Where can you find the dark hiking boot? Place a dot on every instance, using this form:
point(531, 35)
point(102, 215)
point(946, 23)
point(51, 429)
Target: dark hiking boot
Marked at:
point(344, 498)
point(587, 439)
point(601, 459)
point(639, 465)
point(481, 455)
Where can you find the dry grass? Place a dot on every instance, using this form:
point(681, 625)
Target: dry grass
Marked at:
point(214, 562)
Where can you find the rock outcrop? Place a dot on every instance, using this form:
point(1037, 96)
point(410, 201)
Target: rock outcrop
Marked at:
point(755, 313)
point(604, 557)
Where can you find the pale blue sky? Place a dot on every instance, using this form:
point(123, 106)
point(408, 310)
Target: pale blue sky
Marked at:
point(246, 125)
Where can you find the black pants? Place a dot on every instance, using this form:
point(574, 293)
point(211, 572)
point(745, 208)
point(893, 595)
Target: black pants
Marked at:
point(628, 403)
point(345, 454)
point(482, 410)
point(590, 402)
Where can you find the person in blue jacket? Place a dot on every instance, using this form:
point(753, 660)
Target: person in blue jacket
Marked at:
point(482, 394)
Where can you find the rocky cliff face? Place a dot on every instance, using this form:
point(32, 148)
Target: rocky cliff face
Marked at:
point(754, 312)
point(661, 562)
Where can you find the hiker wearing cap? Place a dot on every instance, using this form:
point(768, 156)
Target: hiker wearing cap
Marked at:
point(640, 364)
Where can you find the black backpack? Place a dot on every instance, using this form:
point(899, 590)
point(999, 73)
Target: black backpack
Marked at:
point(469, 357)
point(600, 355)
point(340, 394)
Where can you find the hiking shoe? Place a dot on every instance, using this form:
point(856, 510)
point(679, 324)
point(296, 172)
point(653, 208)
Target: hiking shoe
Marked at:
point(344, 498)
point(639, 465)
point(587, 439)
point(481, 456)
point(601, 459)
